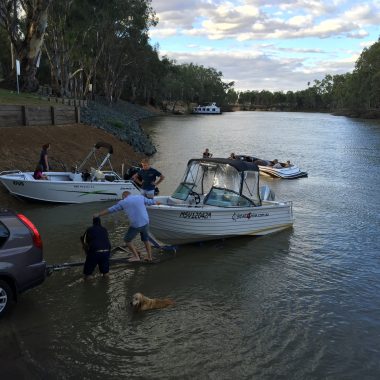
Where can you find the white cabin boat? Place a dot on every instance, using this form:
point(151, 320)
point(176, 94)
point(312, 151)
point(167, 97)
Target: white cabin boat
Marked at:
point(266, 168)
point(71, 187)
point(211, 109)
point(218, 198)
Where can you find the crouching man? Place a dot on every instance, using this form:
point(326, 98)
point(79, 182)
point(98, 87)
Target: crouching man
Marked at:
point(97, 247)
point(134, 207)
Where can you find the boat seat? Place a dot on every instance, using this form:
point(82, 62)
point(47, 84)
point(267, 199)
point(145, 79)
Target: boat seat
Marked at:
point(97, 175)
point(75, 177)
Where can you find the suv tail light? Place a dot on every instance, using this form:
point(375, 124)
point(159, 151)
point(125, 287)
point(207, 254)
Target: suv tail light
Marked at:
point(37, 241)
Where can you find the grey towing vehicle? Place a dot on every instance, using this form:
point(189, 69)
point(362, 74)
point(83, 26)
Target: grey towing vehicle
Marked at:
point(22, 266)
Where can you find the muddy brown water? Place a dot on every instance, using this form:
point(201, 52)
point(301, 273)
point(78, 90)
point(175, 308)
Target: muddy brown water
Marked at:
point(300, 304)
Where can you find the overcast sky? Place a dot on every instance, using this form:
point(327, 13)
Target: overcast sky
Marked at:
point(275, 45)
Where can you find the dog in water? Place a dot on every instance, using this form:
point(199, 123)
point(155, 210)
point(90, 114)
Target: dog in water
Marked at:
point(140, 302)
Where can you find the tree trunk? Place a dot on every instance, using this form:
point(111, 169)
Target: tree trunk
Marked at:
point(31, 45)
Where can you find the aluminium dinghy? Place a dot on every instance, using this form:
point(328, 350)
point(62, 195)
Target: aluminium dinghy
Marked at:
point(218, 198)
point(78, 186)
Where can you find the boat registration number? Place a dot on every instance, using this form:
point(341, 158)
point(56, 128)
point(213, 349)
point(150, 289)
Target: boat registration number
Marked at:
point(195, 215)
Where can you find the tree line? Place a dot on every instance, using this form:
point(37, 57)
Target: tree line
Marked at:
point(356, 93)
point(84, 48)
point(100, 47)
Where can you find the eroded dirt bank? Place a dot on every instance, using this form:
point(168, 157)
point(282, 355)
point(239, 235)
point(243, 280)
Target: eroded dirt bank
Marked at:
point(20, 148)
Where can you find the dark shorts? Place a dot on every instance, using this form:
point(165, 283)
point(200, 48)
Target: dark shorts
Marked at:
point(94, 259)
point(132, 233)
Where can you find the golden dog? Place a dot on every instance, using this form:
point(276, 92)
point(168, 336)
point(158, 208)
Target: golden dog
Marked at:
point(140, 302)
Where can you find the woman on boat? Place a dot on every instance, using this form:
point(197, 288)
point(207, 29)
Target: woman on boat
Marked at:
point(38, 173)
point(44, 157)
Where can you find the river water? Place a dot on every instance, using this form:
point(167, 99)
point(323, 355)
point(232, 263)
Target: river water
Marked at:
point(300, 304)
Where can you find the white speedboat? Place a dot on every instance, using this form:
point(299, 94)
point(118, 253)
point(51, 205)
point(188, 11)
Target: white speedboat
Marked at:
point(218, 198)
point(266, 168)
point(211, 109)
point(79, 186)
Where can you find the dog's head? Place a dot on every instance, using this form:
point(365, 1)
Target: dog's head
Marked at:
point(137, 300)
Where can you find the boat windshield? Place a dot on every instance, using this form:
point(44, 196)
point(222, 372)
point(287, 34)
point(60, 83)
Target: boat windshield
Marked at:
point(203, 176)
point(226, 198)
point(250, 186)
point(182, 191)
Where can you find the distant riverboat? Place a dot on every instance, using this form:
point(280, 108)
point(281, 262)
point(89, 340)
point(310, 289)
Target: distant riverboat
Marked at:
point(212, 109)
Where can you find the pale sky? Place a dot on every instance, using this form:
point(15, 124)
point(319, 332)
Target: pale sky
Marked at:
point(275, 45)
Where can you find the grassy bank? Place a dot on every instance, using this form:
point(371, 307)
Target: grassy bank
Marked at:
point(12, 97)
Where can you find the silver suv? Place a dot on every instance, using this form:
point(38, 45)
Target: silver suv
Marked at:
point(21, 262)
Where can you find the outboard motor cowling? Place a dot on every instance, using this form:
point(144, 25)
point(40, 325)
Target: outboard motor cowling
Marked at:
point(266, 194)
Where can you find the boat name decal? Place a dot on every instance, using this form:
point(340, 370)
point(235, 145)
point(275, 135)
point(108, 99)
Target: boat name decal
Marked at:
point(248, 215)
point(195, 215)
point(18, 183)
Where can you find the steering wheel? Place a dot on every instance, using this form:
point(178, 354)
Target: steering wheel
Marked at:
point(196, 196)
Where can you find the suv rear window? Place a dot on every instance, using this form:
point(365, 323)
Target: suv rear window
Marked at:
point(4, 234)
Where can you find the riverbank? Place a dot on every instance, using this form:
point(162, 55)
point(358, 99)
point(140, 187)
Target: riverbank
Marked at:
point(117, 124)
point(20, 146)
point(122, 121)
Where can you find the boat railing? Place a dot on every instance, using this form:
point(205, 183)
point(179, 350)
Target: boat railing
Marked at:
point(190, 201)
point(16, 171)
point(123, 181)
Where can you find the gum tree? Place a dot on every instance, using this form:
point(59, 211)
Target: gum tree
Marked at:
point(25, 22)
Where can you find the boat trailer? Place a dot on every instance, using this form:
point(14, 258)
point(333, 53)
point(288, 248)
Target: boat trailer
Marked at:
point(161, 254)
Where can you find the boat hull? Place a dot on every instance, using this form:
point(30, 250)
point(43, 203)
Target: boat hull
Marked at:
point(206, 113)
point(285, 173)
point(182, 225)
point(55, 190)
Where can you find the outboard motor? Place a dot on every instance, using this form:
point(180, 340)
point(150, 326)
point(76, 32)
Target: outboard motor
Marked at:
point(266, 194)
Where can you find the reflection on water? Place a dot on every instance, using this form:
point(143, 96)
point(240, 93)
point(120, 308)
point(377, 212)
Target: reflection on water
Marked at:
point(302, 303)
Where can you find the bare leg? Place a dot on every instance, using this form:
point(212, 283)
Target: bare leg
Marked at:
point(134, 251)
point(148, 249)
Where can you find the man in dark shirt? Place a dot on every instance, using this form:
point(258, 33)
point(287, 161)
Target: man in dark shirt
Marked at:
point(207, 154)
point(97, 246)
point(44, 157)
point(147, 179)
